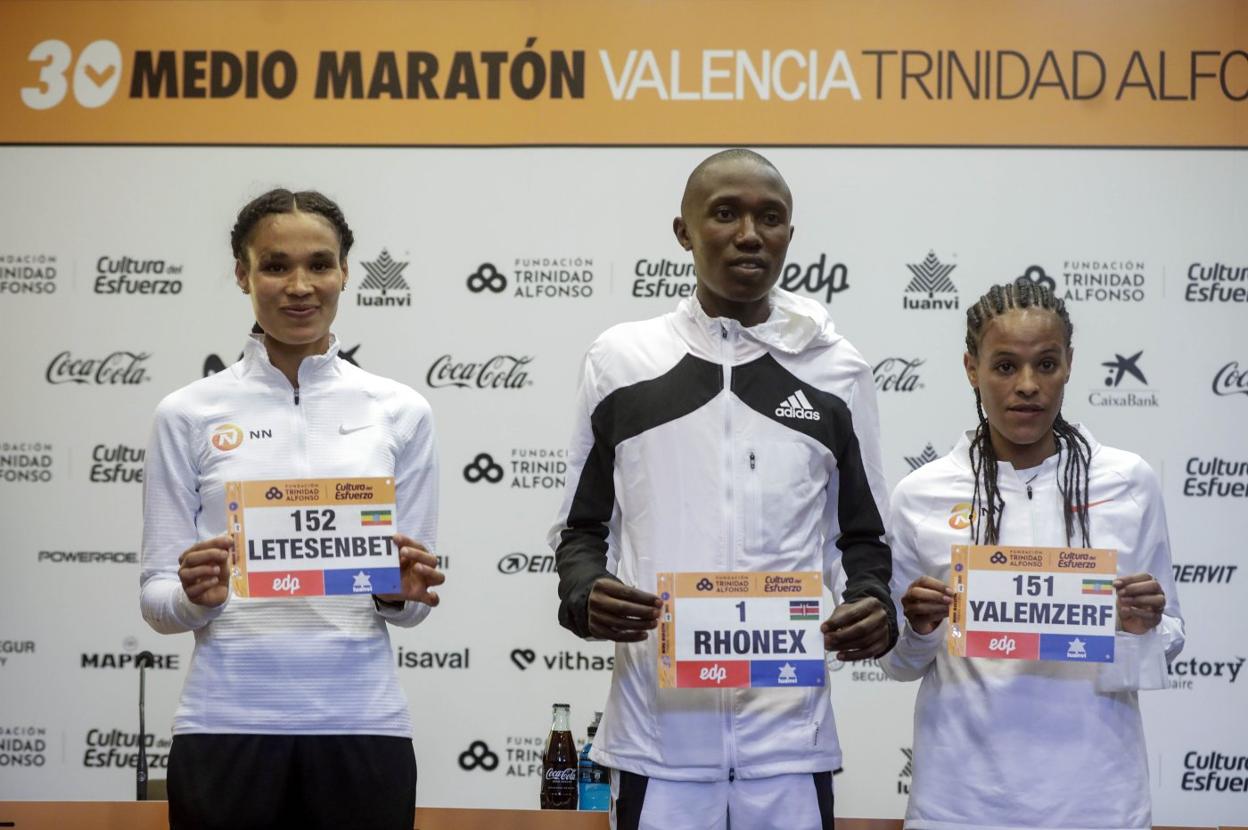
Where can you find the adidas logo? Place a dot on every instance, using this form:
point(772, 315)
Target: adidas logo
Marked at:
point(797, 406)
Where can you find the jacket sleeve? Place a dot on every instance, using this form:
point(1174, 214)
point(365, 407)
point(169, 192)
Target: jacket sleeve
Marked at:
point(859, 498)
point(587, 524)
point(914, 652)
point(416, 495)
point(170, 508)
point(1141, 660)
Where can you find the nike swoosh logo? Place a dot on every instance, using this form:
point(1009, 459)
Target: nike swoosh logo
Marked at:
point(1075, 508)
point(343, 429)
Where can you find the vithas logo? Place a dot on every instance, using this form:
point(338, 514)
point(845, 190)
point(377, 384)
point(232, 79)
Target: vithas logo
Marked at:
point(798, 406)
point(384, 285)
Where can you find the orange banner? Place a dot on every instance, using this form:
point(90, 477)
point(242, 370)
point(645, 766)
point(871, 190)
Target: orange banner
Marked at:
point(497, 72)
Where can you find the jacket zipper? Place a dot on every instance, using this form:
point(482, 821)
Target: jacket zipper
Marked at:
point(727, 696)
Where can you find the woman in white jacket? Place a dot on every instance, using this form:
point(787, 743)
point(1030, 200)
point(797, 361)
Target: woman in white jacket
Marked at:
point(1012, 743)
point(291, 713)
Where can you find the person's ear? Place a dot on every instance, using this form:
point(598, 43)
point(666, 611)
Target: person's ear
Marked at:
point(240, 276)
point(682, 233)
point(1070, 362)
point(345, 275)
point(972, 371)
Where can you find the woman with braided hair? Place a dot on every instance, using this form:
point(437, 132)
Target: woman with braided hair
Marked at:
point(1015, 743)
point(291, 713)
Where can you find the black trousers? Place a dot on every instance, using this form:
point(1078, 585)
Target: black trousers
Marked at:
point(300, 782)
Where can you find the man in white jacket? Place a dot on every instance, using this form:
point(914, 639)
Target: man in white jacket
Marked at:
point(736, 433)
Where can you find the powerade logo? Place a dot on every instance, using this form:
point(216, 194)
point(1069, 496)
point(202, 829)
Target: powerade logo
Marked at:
point(524, 563)
point(1216, 282)
point(127, 275)
point(89, 557)
point(118, 749)
point(1214, 772)
point(27, 274)
point(23, 746)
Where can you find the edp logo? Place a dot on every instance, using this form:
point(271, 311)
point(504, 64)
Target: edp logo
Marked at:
point(716, 673)
point(1005, 645)
point(289, 584)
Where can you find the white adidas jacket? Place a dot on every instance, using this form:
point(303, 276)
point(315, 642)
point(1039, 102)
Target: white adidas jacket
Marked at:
point(703, 445)
point(1005, 744)
point(302, 665)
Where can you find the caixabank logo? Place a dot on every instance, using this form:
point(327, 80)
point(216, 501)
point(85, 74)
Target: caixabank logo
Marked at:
point(1191, 672)
point(23, 273)
point(1125, 384)
point(930, 287)
point(23, 745)
point(118, 368)
point(26, 462)
point(136, 276)
point(116, 464)
point(451, 660)
point(528, 468)
point(1213, 771)
point(1216, 283)
point(384, 285)
point(106, 747)
point(1215, 477)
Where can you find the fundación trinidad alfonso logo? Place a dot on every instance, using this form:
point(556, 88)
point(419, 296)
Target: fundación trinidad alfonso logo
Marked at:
point(227, 437)
point(931, 277)
point(487, 277)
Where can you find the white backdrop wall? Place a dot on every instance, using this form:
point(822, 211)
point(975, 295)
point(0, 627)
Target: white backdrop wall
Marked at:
point(488, 663)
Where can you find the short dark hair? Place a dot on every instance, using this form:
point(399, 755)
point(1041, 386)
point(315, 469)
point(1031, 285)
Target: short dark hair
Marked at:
point(282, 200)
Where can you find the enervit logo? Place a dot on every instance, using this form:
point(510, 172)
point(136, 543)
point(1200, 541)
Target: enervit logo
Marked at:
point(1184, 673)
point(1124, 368)
point(898, 374)
point(25, 462)
point(502, 371)
point(1216, 283)
point(27, 274)
point(117, 464)
point(523, 658)
point(818, 278)
point(663, 278)
point(1230, 380)
point(23, 746)
point(798, 406)
point(411, 659)
point(961, 515)
point(1215, 478)
point(126, 275)
point(227, 437)
point(1204, 574)
point(487, 277)
point(118, 749)
point(926, 457)
point(478, 755)
point(1214, 772)
point(120, 368)
point(384, 285)
point(483, 468)
point(931, 277)
point(524, 563)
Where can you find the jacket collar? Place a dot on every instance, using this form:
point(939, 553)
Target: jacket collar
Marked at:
point(256, 361)
point(794, 325)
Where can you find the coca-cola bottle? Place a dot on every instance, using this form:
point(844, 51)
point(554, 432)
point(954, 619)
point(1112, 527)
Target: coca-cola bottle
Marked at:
point(559, 763)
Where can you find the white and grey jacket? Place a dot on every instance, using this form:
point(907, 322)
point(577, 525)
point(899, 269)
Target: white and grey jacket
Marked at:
point(703, 445)
point(1011, 743)
point(301, 665)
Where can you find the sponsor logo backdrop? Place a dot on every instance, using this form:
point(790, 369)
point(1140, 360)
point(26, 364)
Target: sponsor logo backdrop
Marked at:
point(481, 275)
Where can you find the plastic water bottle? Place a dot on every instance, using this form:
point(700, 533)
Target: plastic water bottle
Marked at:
point(594, 780)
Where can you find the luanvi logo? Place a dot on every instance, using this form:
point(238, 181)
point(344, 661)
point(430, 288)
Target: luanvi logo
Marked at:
point(907, 772)
point(931, 277)
point(898, 374)
point(1230, 380)
point(25, 462)
point(127, 275)
point(384, 285)
point(120, 368)
point(27, 274)
point(1124, 368)
point(926, 457)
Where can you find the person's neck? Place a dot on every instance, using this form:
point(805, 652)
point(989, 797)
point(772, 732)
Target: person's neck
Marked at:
point(287, 357)
point(1023, 456)
point(747, 314)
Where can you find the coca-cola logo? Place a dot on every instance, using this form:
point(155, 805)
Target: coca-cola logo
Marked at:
point(118, 368)
point(503, 371)
point(561, 775)
point(1230, 380)
point(897, 374)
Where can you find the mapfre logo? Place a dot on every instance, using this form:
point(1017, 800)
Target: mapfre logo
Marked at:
point(227, 437)
point(961, 515)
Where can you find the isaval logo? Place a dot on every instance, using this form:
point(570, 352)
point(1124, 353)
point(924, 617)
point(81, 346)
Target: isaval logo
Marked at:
point(930, 277)
point(526, 563)
point(28, 274)
point(411, 659)
point(926, 457)
point(119, 368)
point(1230, 380)
point(24, 462)
point(1122, 369)
point(127, 275)
point(898, 374)
point(384, 285)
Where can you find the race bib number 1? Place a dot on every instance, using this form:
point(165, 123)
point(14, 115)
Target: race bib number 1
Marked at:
point(740, 630)
point(1033, 603)
point(313, 537)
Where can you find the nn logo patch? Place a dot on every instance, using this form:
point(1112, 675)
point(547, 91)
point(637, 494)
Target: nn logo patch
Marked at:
point(798, 406)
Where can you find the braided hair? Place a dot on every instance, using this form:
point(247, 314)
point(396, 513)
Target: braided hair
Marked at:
point(987, 504)
point(282, 200)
